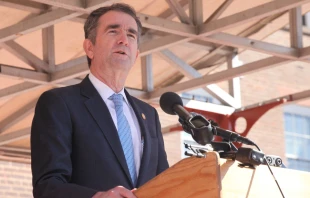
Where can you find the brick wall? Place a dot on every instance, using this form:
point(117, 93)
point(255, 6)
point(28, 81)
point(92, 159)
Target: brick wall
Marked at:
point(15, 180)
point(282, 80)
point(268, 132)
point(173, 147)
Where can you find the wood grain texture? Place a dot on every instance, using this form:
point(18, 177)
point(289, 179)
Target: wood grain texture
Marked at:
point(213, 177)
point(191, 177)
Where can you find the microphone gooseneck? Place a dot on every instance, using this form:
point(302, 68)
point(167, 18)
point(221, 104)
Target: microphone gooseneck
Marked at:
point(198, 126)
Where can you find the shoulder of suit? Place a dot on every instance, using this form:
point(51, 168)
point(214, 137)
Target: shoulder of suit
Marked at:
point(64, 91)
point(141, 103)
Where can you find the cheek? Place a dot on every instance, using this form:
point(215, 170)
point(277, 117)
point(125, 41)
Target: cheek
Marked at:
point(134, 51)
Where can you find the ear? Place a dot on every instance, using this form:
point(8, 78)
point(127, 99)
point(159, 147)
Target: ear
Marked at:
point(88, 48)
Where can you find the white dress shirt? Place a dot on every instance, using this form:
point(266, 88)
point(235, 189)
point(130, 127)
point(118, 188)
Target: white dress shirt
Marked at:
point(105, 92)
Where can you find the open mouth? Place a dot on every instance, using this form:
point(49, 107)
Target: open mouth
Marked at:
point(120, 52)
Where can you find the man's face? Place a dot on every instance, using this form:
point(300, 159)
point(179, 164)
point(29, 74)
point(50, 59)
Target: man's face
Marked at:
point(116, 44)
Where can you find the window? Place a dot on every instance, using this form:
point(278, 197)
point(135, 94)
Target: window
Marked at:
point(297, 137)
point(306, 20)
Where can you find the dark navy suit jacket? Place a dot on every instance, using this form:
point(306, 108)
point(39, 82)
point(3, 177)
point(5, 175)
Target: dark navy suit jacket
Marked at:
point(75, 148)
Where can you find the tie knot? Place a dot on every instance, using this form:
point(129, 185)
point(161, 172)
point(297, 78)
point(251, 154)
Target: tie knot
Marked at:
point(117, 98)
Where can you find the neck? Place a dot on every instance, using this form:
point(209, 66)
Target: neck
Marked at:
point(113, 79)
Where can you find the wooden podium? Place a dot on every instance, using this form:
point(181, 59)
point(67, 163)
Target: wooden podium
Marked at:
point(213, 177)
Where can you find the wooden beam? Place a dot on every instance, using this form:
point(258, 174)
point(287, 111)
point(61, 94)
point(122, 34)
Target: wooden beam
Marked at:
point(213, 58)
point(234, 83)
point(211, 64)
point(74, 5)
point(26, 56)
point(15, 154)
point(15, 149)
point(179, 64)
point(95, 4)
point(178, 10)
point(69, 73)
point(166, 14)
point(304, 53)
point(14, 136)
point(232, 40)
point(46, 20)
point(295, 97)
point(165, 25)
point(36, 23)
point(222, 96)
point(217, 13)
point(17, 89)
point(34, 8)
point(80, 19)
point(191, 73)
point(40, 79)
point(169, 14)
point(220, 76)
point(71, 63)
point(23, 160)
point(17, 116)
point(299, 96)
point(195, 11)
point(48, 45)
point(256, 45)
point(295, 27)
point(147, 73)
point(78, 5)
point(24, 5)
point(218, 52)
point(229, 61)
point(261, 24)
point(255, 13)
point(166, 41)
point(25, 74)
point(200, 45)
point(189, 31)
point(155, 45)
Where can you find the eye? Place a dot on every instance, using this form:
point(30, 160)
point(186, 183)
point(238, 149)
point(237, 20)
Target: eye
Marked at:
point(112, 31)
point(131, 36)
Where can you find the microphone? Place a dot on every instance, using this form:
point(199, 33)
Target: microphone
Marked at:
point(172, 104)
point(197, 126)
point(200, 128)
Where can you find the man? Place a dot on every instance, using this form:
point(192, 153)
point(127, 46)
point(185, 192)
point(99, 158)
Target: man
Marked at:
point(94, 139)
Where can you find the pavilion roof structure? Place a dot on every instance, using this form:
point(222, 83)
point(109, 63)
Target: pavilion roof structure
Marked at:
point(182, 43)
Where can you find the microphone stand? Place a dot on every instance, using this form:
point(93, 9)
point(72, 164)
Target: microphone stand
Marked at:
point(203, 134)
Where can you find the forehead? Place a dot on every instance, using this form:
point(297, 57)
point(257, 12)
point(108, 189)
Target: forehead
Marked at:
point(117, 17)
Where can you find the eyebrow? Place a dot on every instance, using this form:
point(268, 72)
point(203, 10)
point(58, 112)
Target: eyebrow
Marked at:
point(115, 26)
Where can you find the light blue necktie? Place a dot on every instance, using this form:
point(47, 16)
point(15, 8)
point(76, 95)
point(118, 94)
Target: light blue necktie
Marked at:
point(124, 134)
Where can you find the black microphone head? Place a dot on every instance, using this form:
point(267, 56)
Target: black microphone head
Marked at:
point(168, 100)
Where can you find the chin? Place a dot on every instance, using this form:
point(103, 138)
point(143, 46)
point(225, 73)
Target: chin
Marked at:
point(121, 63)
point(124, 65)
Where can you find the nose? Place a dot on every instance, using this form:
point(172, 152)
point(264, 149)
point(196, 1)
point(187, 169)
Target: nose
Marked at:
point(123, 39)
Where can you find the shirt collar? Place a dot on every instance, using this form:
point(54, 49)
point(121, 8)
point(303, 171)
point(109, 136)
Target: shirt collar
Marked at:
point(104, 90)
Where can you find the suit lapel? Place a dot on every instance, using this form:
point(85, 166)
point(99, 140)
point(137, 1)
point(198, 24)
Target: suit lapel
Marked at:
point(146, 137)
point(100, 112)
